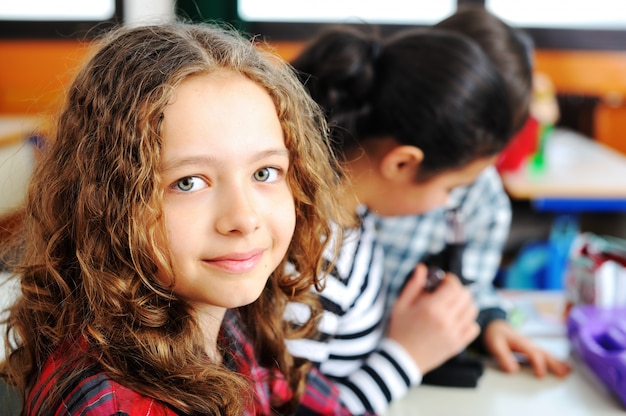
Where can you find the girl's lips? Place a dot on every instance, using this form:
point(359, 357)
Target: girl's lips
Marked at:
point(237, 262)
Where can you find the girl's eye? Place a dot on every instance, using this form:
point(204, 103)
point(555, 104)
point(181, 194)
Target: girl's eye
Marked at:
point(190, 183)
point(266, 174)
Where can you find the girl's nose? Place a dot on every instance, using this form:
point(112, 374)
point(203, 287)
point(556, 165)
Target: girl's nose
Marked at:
point(238, 214)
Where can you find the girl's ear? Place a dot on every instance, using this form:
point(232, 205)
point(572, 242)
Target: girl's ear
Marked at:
point(401, 163)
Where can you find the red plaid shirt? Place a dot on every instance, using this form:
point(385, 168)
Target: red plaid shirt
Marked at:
point(98, 395)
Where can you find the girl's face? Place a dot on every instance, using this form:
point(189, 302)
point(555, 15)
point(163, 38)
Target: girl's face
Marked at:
point(229, 211)
point(417, 198)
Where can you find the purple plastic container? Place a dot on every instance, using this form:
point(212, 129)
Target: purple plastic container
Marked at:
point(598, 337)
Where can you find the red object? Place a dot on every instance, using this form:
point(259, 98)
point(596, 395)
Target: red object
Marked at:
point(522, 145)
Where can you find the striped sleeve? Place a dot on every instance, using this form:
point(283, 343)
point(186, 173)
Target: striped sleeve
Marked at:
point(386, 376)
point(322, 397)
point(350, 348)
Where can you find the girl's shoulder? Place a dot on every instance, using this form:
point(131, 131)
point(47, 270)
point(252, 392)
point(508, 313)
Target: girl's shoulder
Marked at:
point(91, 393)
point(98, 395)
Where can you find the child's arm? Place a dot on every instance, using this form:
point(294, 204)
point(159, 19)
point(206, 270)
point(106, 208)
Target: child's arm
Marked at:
point(502, 341)
point(487, 229)
point(427, 329)
point(348, 351)
point(487, 212)
point(433, 327)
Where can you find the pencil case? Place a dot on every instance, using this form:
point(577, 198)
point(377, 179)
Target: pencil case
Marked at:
point(598, 337)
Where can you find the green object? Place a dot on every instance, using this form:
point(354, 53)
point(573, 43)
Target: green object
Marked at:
point(537, 161)
point(210, 11)
point(516, 317)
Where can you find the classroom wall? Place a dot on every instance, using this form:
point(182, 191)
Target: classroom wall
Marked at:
point(34, 73)
point(33, 78)
point(599, 74)
point(593, 73)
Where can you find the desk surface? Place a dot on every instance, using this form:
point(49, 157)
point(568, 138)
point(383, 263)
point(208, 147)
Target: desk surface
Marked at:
point(521, 394)
point(14, 129)
point(575, 167)
point(514, 395)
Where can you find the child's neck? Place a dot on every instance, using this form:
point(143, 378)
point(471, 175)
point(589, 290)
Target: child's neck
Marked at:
point(210, 323)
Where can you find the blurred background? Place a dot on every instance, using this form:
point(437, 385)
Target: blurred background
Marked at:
point(580, 49)
point(580, 56)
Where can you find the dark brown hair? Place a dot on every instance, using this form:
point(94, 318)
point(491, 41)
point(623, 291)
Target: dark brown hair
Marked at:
point(432, 89)
point(509, 48)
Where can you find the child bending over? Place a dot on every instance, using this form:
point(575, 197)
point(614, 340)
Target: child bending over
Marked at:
point(372, 91)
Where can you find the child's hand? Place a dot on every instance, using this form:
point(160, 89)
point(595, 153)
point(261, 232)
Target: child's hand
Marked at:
point(435, 326)
point(501, 340)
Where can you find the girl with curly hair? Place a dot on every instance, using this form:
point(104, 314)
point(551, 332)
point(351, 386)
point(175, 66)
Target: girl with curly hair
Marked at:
point(187, 169)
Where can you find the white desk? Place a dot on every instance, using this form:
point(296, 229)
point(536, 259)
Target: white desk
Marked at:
point(14, 129)
point(520, 394)
point(579, 176)
point(9, 291)
point(500, 394)
point(17, 159)
point(575, 167)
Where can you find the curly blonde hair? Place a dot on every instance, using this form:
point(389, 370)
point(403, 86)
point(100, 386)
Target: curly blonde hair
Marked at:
point(88, 249)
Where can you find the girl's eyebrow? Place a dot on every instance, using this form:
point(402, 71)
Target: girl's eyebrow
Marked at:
point(204, 160)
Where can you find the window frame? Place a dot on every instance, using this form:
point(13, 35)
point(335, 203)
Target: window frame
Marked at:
point(544, 38)
point(60, 29)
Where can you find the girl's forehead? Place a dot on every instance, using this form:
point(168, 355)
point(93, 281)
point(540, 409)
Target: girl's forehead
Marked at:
point(220, 115)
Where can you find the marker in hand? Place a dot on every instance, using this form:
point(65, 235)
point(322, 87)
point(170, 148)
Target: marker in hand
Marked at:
point(455, 244)
point(434, 277)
